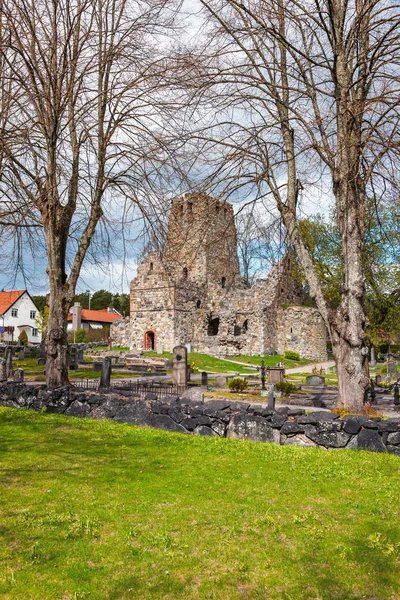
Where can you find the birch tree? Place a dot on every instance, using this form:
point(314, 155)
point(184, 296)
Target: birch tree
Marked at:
point(83, 113)
point(297, 96)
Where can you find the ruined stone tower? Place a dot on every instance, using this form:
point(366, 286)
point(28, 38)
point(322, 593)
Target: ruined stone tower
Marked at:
point(202, 241)
point(193, 294)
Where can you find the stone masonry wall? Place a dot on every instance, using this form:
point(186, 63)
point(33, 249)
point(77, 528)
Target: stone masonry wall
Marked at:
point(301, 329)
point(223, 418)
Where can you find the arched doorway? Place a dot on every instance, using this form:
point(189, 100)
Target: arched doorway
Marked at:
point(149, 340)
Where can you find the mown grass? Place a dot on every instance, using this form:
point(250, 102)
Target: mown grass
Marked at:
point(206, 362)
point(272, 361)
point(97, 510)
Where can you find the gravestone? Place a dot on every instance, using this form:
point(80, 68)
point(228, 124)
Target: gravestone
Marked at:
point(271, 396)
point(276, 374)
point(21, 353)
point(97, 365)
point(392, 369)
point(160, 349)
point(109, 343)
point(19, 375)
point(179, 366)
point(204, 379)
point(372, 362)
point(80, 354)
point(315, 380)
point(41, 361)
point(378, 379)
point(220, 381)
point(73, 364)
point(327, 371)
point(3, 371)
point(105, 373)
point(9, 363)
point(396, 393)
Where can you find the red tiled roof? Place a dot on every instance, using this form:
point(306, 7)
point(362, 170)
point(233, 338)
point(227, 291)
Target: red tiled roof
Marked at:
point(101, 316)
point(7, 299)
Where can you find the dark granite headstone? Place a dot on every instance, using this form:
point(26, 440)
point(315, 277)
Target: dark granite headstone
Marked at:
point(105, 373)
point(9, 362)
point(204, 379)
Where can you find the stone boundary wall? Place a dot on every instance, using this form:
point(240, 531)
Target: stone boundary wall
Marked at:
point(238, 420)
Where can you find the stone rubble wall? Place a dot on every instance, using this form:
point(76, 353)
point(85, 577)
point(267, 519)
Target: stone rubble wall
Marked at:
point(238, 420)
point(301, 329)
point(120, 332)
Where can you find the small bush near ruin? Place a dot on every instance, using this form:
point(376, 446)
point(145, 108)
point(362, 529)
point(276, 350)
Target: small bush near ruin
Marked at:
point(291, 355)
point(237, 384)
point(286, 388)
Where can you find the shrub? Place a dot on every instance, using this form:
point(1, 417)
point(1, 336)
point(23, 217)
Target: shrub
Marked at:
point(23, 337)
point(81, 336)
point(237, 384)
point(286, 388)
point(291, 355)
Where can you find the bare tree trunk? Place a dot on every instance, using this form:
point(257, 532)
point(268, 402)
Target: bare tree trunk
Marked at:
point(56, 340)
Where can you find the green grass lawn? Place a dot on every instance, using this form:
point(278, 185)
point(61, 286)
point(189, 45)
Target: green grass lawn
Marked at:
point(205, 362)
point(272, 361)
point(102, 511)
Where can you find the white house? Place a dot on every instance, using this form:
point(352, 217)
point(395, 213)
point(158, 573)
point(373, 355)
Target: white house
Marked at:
point(18, 312)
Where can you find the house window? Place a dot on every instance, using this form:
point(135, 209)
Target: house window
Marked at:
point(14, 312)
point(33, 314)
point(34, 332)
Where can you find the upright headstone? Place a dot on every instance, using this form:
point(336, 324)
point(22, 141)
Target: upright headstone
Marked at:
point(19, 375)
point(372, 362)
point(105, 373)
point(109, 343)
point(391, 369)
point(396, 393)
point(73, 364)
point(3, 370)
point(80, 354)
point(378, 379)
point(160, 349)
point(315, 380)
point(271, 396)
point(21, 353)
point(220, 381)
point(276, 374)
point(204, 379)
point(262, 372)
point(179, 366)
point(9, 361)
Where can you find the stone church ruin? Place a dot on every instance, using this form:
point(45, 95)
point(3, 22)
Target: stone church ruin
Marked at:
point(193, 294)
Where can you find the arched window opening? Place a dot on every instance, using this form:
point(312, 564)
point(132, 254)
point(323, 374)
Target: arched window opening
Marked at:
point(151, 266)
point(185, 273)
point(237, 330)
point(190, 207)
point(245, 325)
point(223, 282)
point(181, 209)
point(217, 207)
point(198, 304)
point(225, 213)
point(213, 326)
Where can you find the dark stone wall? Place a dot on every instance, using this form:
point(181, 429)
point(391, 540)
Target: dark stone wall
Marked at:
point(239, 420)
